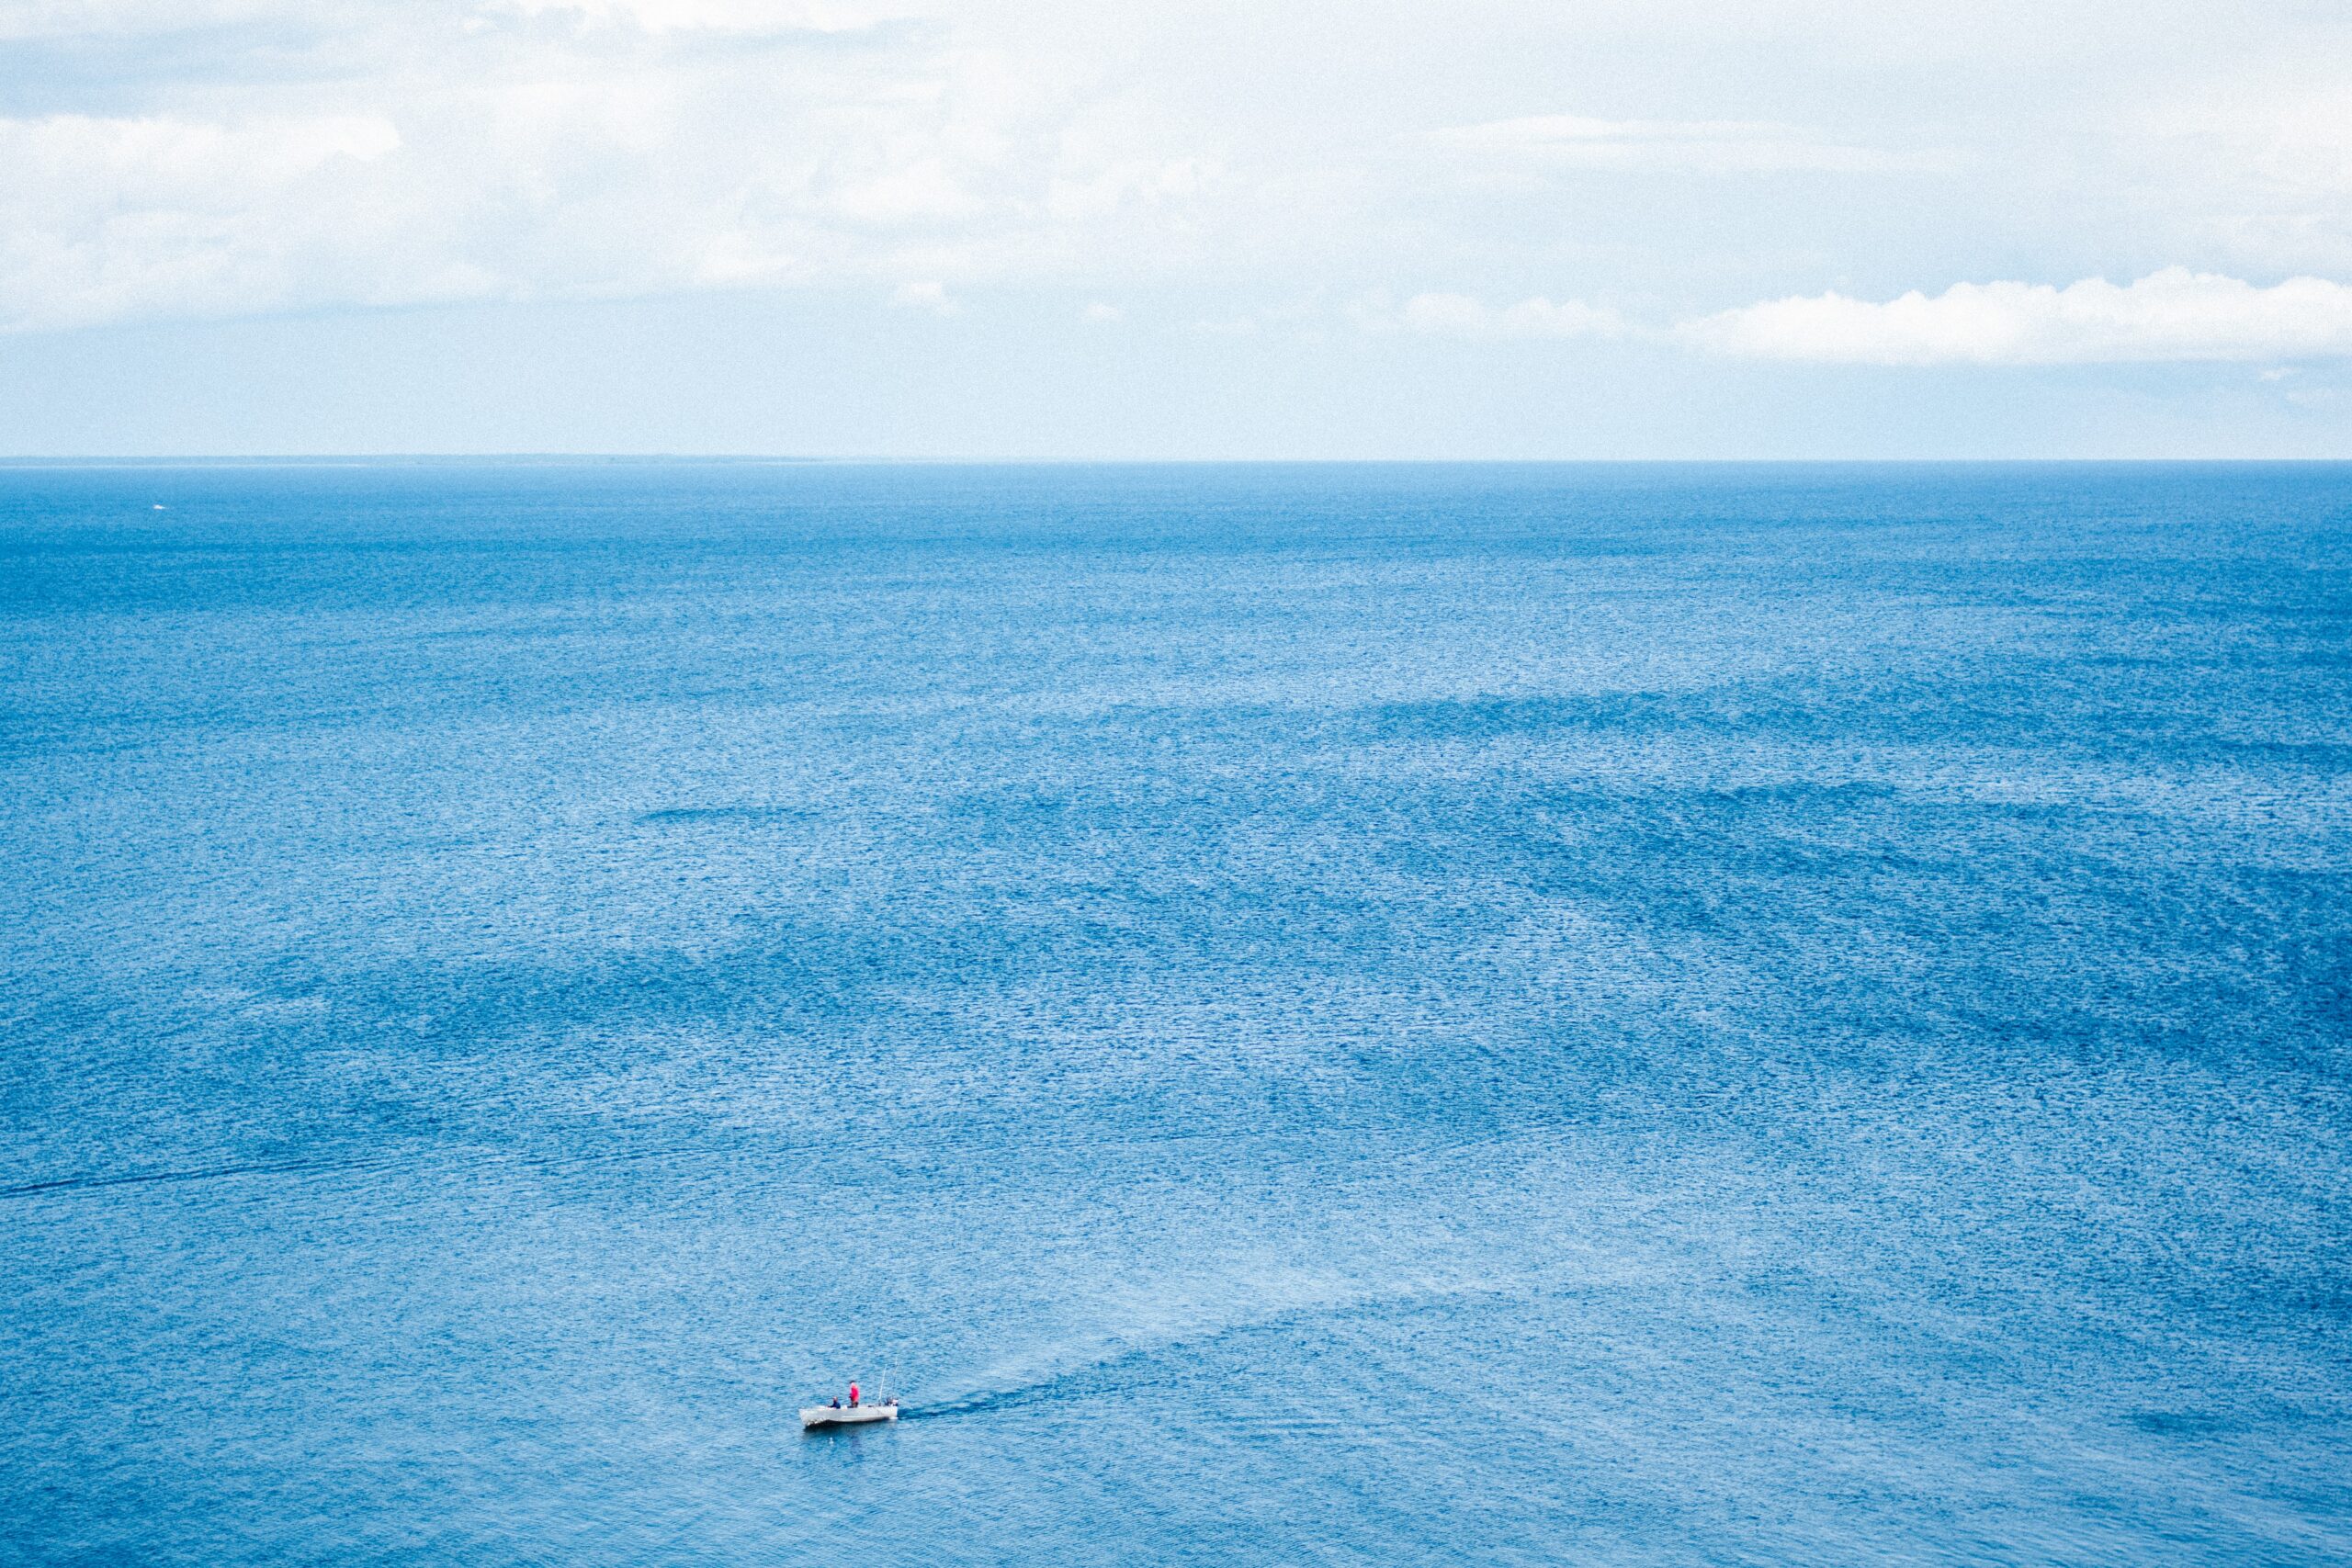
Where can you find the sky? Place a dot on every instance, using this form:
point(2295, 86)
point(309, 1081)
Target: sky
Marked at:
point(1626, 229)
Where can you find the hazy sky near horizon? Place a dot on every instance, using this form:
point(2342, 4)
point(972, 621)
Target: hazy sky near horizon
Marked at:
point(1488, 228)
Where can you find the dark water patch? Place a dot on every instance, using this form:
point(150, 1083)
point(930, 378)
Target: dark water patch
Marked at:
point(2182, 1422)
point(93, 1183)
point(687, 816)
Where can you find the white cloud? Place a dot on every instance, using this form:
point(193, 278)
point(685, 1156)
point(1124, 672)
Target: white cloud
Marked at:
point(752, 17)
point(1465, 315)
point(71, 18)
point(2265, 162)
point(930, 296)
point(567, 149)
point(1100, 313)
point(1701, 146)
point(176, 158)
point(2175, 314)
point(101, 217)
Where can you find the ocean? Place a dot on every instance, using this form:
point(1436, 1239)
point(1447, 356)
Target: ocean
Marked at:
point(1319, 1014)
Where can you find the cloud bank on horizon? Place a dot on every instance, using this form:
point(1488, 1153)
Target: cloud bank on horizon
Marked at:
point(1822, 181)
point(2175, 314)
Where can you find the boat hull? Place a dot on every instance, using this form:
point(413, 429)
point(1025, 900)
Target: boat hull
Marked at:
point(818, 1415)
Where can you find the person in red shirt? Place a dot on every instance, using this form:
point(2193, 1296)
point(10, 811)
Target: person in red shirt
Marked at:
point(853, 1396)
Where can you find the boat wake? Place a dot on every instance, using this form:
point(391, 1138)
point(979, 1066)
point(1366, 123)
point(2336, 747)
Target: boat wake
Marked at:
point(1112, 1363)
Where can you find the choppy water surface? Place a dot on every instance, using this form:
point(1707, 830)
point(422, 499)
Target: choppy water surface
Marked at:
point(1319, 1015)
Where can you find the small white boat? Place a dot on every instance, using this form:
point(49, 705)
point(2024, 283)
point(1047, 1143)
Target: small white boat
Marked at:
point(818, 1415)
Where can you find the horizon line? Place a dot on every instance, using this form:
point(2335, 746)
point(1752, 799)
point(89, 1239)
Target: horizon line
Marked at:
point(488, 459)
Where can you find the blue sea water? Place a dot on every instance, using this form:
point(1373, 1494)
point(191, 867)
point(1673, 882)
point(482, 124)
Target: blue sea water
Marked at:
point(1295, 1015)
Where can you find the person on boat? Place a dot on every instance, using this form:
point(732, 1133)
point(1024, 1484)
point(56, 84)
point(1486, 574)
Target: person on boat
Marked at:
point(837, 1402)
point(853, 1396)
